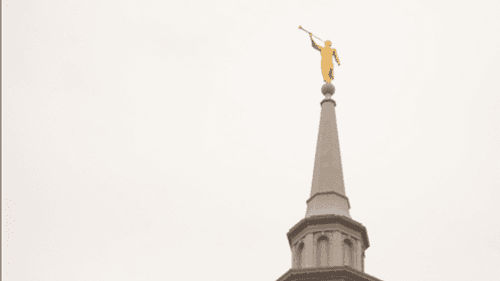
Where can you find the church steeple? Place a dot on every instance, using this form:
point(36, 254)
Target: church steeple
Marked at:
point(328, 191)
point(327, 244)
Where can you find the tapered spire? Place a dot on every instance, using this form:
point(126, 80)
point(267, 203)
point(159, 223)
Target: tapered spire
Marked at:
point(328, 191)
point(328, 244)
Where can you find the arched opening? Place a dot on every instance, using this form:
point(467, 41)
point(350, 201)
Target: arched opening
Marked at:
point(322, 253)
point(299, 256)
point(348, 253)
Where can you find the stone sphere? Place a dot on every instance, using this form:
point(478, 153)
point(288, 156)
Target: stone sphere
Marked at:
point(328, 89)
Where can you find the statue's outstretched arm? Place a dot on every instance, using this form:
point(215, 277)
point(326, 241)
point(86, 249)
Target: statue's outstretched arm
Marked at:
point(336, 57)
point(315, 46)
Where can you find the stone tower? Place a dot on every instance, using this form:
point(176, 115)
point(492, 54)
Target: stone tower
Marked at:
point(327, 244)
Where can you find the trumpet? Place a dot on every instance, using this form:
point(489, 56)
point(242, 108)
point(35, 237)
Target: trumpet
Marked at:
point(300, 27)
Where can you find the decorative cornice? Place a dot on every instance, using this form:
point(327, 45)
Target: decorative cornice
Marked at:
point(328, 100)
point(329, 192)
point(328, 219)
point(326, 273)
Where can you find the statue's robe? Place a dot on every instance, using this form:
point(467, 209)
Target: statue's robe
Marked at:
point(326, 61)
point(327, 64)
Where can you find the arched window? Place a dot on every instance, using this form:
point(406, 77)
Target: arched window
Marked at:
point(347, 248)
point(299, 256)
point(322, 254)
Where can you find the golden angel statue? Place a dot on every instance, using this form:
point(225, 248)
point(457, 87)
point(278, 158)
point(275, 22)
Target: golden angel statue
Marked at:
point(326, 59)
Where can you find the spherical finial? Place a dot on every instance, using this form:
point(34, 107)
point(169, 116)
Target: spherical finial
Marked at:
point(328, 89)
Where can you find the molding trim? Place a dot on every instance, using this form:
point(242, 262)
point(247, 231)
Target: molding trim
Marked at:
point(329, 192)
point(328, 219)
point(326, 273)
point(328, 100)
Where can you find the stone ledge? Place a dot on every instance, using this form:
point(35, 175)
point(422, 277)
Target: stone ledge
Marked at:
point(328, 219)
point(334, 273)
point(329, 192)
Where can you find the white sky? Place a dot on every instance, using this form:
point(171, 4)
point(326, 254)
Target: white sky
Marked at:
point(161, 140)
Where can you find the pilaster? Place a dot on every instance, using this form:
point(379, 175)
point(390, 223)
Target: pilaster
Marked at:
point(359, 255)
point(336, 249)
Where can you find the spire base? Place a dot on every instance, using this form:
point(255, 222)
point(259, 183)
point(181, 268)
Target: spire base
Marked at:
point(328, 203)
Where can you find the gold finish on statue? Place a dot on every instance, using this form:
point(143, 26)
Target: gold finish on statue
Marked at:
point(327, 52)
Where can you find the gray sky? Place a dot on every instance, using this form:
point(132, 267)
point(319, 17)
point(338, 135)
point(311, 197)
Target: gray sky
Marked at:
point(161, 140)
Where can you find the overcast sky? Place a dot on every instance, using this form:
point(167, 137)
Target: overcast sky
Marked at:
point(175, 140)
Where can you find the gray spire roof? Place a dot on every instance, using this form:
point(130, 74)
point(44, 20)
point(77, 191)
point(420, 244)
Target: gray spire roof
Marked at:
point(328, 191)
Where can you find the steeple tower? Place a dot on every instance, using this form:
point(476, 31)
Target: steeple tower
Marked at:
point(327, 244)
point(328, 191)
